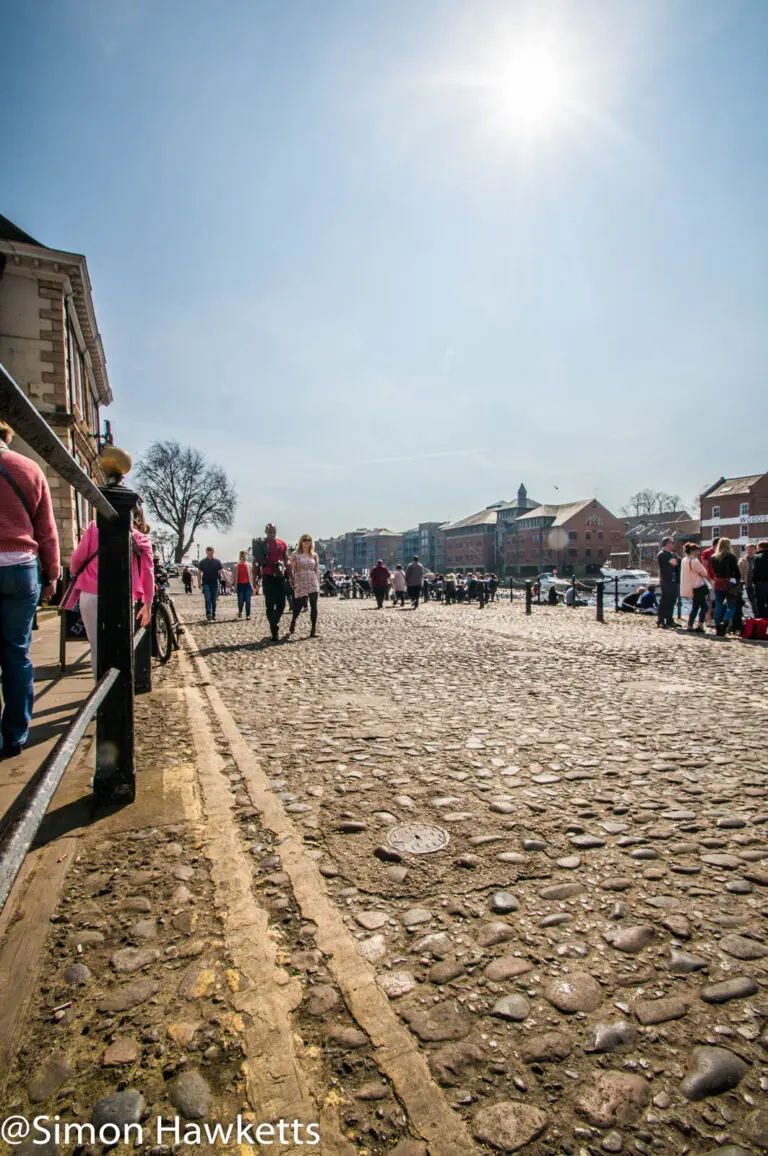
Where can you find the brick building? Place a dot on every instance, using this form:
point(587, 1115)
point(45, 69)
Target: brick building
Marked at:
point(470, 543)
point(427, 541)
point(50, 344)
point(573, 538)
point(381, 544)
point(735, 508)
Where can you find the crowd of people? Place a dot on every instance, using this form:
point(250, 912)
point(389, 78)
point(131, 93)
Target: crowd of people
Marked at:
point(720, 588)
point(412, 583)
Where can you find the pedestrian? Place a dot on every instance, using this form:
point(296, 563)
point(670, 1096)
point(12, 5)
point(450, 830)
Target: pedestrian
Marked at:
point(29, 567)
point(449, 588)
point(746, 571)
point(493, 586)
point(552, 598)
point(274, 570)
point(414, 579)
point(669, 583)
point(380, 578)
point(399, 585)
point(304, 567)
point(725, 567)
point(208, 578)
point(84, 588)
point(760, 579)
point(694, 585)
point(244, 583)
point(186, 578)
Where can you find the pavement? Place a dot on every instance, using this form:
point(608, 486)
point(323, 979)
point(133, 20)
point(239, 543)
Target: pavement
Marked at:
point(437, 881)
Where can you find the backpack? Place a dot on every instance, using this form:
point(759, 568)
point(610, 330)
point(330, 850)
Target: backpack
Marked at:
point(755, 629)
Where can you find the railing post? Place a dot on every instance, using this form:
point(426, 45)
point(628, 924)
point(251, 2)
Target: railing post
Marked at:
point(600, 596)
point(616, 594)
point(63, 624)
point(528, 597)
point(115, 778)
point(142, 675)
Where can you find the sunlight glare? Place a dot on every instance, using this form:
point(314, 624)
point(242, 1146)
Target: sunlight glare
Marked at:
point(530, 93)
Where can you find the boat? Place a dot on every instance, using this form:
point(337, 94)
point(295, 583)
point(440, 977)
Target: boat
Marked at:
point(629, 580)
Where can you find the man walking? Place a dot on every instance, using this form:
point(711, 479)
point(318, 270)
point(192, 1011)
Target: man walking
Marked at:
point(669, 582)
point(209, 574)
point(380, 579)
point(760, 579)
point(414, 580)
point(273, 577)
point(29, 558)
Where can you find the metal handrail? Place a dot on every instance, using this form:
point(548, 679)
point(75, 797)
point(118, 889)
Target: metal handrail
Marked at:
point(21, 822)
point(21, 415)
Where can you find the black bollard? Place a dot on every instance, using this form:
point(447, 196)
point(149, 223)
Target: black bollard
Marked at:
point(115, 778)
point(616, 594)
point(528, 598)
point(142, 674)
point(600, 598)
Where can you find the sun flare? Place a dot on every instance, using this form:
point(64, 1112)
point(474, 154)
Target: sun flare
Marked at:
point(531, 91)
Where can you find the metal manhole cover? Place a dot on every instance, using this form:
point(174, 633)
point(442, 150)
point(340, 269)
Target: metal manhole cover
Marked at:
point(418, 838)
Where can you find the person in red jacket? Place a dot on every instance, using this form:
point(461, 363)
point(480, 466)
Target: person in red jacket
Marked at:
point(380, 577)
point(29, 559)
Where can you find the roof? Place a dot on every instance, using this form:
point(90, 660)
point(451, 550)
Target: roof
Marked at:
point(559, 514)
point(11, 232)
point(382, 534)
point(657, 518)
point(729, 486)
point(486, 517)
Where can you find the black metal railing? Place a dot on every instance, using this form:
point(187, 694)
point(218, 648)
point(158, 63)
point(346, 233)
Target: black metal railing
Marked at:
point(123, 658)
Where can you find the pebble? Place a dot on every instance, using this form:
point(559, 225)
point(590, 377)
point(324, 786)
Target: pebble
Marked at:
point(416, 915)
point(349, 1038)
point(78, 974)
point(509, 1125)
point(191, 1095)
point(507, 967)
point(502, 903)
point(575, 992)
point(614, 1098)
point(712, 1071)
point(659, 1011)
point(742, 948)
point(511, 1007)
point(134, 958)
point(492, 933)
point(442, 1022)
point(121, 1051)
point(562, 891)
point(374, 1090)
point(683, 963)
point(371, 920)
point(612, 1142)
point(396, 983)
point(55, 1070)
point(320, 999)
point(129, 995)
point(629, 939)
point(739, 987)
point(373, 949)
point(120, 1109)
point(609, 1037)
point(446, 971)
point(548, 1047)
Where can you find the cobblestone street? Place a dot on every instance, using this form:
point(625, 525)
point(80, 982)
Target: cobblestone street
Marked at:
point(582, 963)
point(439, 883)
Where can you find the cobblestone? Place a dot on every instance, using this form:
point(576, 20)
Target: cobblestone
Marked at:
point(567, 761)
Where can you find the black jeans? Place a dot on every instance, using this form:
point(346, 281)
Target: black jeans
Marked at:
point(381, 593)
point(450, 593)
point(274, 598)
point(400, 597)
point(669, 594)
point(761, 596)
point(300, 604)
point(700, 605)
point(414, 593)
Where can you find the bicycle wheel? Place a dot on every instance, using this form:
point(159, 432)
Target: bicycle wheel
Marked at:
point(177, 628)
point(162, 630)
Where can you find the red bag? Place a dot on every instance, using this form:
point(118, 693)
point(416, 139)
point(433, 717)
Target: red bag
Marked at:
point(755, 628)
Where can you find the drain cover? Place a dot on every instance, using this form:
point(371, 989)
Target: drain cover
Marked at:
point(418, 838)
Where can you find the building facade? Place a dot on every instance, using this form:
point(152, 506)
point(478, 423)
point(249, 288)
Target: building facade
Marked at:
point(51, 346)
point(381, 544)
point(573, 538)
point(470, 543)
point(735, 508)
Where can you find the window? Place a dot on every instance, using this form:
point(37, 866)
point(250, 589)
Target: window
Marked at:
point(744, 510)
point(715, 532)
point(572, 553)
point(587, 535)
point(715, 511)
point(572, 535)
point(600, 534)
point(587, 553)
point(744, 530)
point(600, 553)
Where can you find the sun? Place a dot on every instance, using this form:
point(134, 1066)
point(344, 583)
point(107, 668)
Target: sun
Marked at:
point(530, 93)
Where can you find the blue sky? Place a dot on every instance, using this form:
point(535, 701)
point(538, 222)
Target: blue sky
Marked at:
point(501, 242)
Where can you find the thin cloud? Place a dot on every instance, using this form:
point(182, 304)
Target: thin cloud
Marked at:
point(420, 457)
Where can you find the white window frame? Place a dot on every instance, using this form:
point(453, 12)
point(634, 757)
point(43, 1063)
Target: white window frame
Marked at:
point(715, 511)
point(744, 509)
point(715, 532)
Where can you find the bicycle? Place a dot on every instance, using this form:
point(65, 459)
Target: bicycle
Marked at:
point(165, 625)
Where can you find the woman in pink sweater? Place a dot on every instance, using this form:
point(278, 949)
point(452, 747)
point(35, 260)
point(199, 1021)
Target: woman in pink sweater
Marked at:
point(85, 564)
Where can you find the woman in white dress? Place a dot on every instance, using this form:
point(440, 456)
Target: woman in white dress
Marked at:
point(304, 571)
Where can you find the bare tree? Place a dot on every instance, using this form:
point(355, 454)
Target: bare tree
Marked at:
point(164, 541)
point(646, 502)
point(185, 492)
